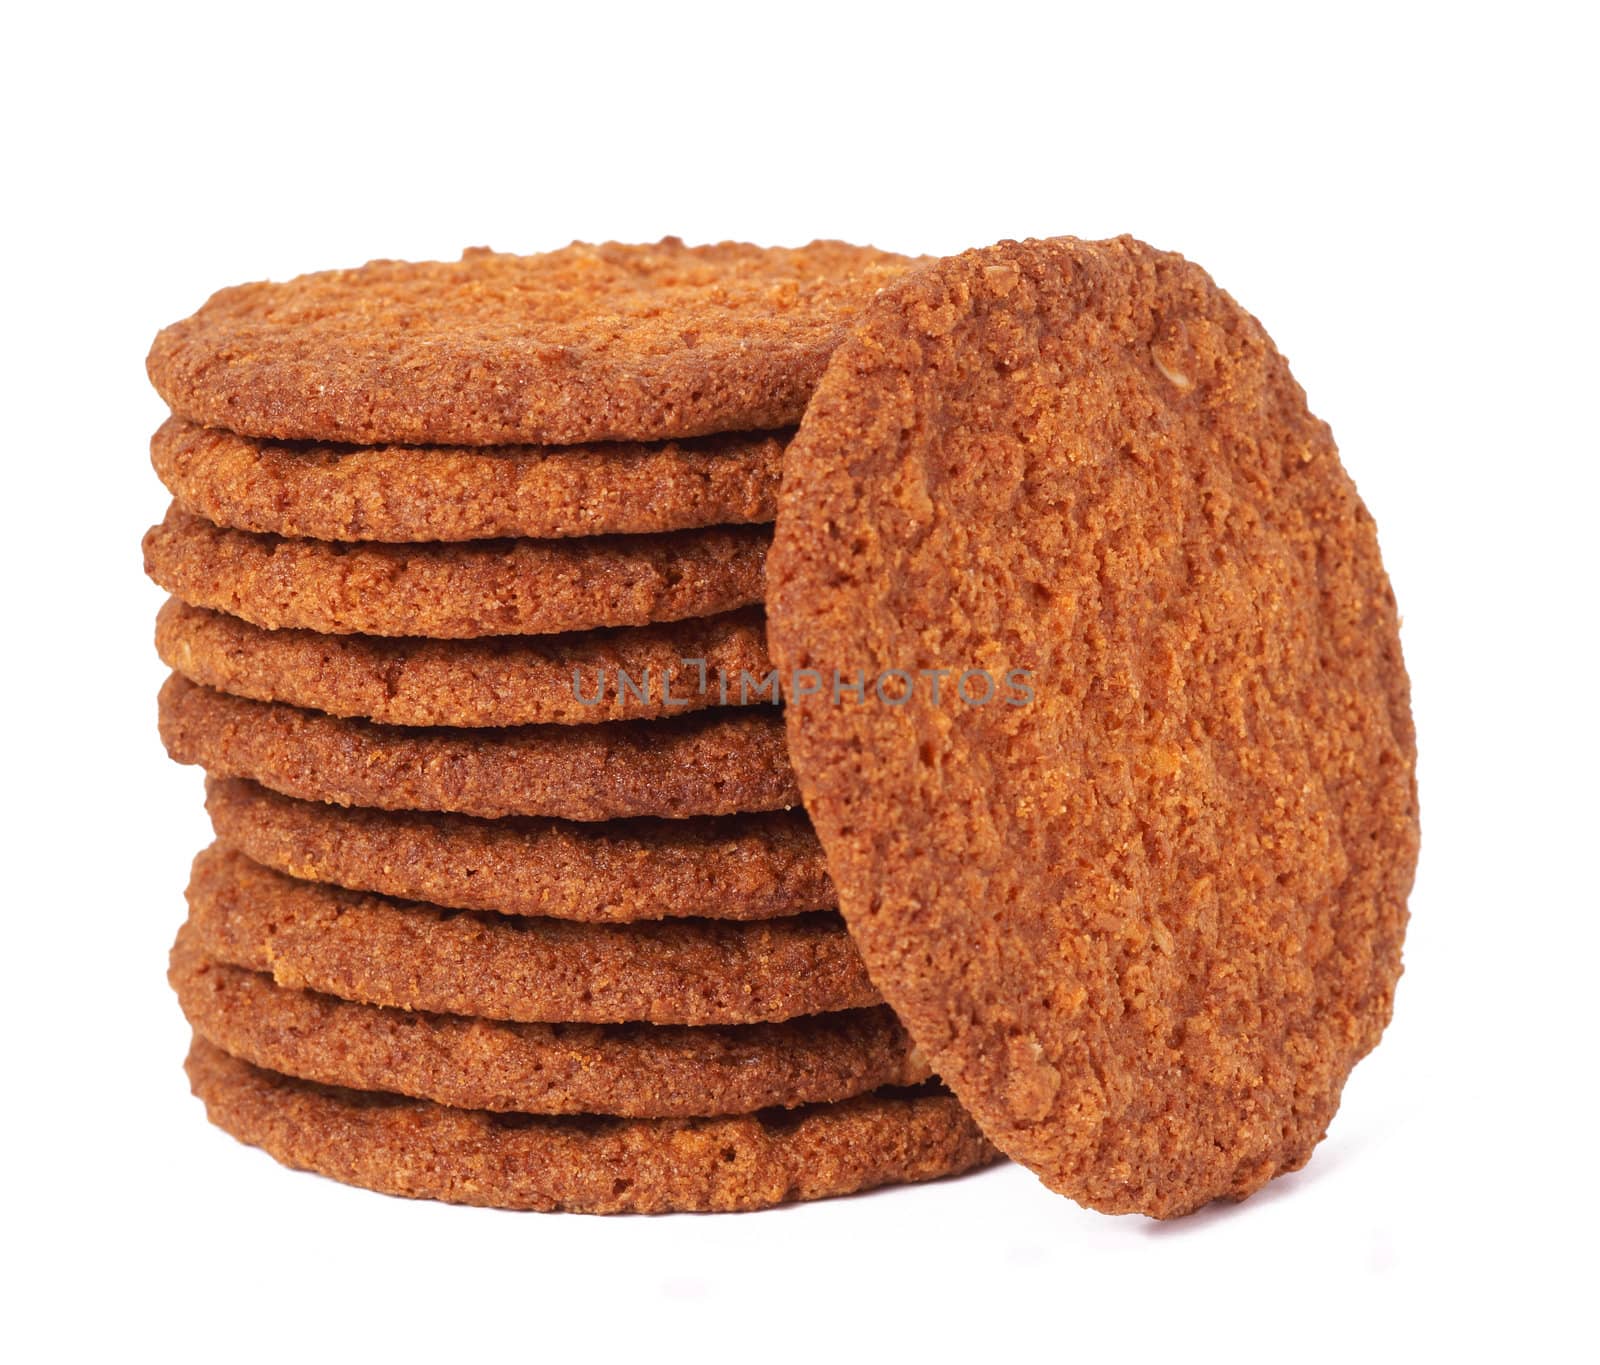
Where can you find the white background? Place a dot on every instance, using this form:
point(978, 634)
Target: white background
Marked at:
point(1402, 195)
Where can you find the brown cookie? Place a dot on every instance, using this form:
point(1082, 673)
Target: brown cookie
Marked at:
point(634, 1070)
point(421, 493)
point(588, 1165)
point(582, 679)
point(713, 763)
point(455, 592)
point(589, 343)
point(734, 867)
point(1145, 922)
point(312, 936)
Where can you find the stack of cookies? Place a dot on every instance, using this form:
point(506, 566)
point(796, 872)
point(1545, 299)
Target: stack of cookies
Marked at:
point(1104, 740)
point(512, 902)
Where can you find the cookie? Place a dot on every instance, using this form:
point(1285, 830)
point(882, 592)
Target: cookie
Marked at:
point(311, 936)
point(588, 1165)
point(589, 343)
point(452, 592)
point(1141, 904)
point(633, 1070)
point(734, 867)
point(582, 679)
point(448, 493)
point(713, 763)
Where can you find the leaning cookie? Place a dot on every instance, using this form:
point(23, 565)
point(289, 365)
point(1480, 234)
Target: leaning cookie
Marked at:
point(739, 867)
point(604, 675)
point(713, 763)
point(1145, 920)
point(453, 592)
point(420, 1150)
point(378, 951)
point(448, 493)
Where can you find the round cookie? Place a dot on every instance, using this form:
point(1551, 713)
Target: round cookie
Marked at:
point(588, 343)
point(734, 867)
point(714, 763)
point(450, 493)
point(311, 936)
point(631, 673)
point(588, 1165)
point(1146, 921)
point(632, 1070)
point(455, 592)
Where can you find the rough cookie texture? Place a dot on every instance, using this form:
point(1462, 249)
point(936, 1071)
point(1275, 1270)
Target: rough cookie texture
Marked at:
point(589, 343)
point(452, 592)
point(412, 956)
point(421, 493)
point(736, 867)
point(634, 1070)
point(588, 1165)
point(509, 680)
point(1145, 924)
point(714, 763)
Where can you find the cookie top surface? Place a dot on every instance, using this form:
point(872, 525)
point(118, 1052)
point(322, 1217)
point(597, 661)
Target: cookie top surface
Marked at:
point(588, 343)
point(1144, 922)
point(428, 493)
point(588, 1164)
